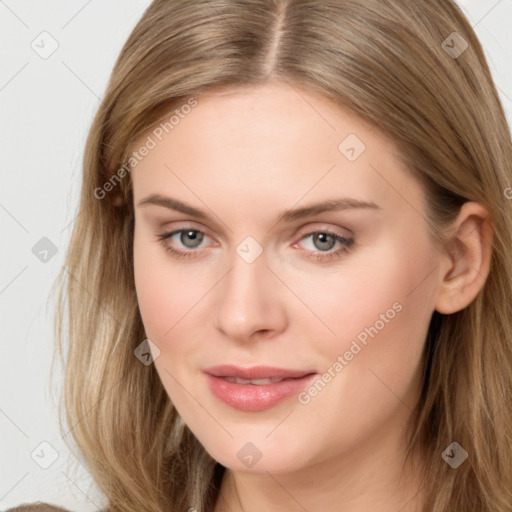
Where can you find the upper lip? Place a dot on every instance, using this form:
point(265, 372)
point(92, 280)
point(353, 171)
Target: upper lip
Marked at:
point(256, 372)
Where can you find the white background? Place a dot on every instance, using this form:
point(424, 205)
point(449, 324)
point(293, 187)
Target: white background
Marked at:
point(46, 109)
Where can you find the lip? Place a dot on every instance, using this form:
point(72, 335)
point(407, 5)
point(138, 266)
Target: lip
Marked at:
point(250, 397)
point(256, 372)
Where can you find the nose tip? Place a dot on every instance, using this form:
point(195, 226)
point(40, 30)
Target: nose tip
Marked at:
point(248, 303)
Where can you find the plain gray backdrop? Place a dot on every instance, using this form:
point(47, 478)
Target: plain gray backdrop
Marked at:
point(56, 58)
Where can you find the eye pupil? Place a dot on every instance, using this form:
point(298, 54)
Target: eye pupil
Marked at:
point(195, 236)
point(323, 238)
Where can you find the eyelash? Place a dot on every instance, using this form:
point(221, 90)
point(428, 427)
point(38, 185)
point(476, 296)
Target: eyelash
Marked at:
point(322, 256)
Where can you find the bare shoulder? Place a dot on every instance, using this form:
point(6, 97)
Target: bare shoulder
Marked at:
point(38, 506)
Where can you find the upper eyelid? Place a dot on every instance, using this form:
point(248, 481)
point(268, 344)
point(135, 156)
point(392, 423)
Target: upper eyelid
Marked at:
point(193, 226)
point(322, 228)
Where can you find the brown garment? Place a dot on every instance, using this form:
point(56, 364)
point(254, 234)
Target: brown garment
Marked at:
point(38, 506)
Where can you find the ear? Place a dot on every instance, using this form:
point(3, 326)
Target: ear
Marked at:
point(465, 259)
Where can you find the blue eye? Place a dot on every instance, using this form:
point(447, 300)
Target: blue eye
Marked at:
point(323, 243)
point(187, 235)
point(190, 238)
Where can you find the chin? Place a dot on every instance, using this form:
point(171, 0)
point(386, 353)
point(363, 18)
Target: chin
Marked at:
point(259, 456)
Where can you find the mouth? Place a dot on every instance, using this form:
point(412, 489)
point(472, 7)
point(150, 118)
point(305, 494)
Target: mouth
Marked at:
point(256, 373)
point(256, 388)
point(255, 382)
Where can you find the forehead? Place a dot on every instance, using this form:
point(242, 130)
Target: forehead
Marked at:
point(247, 144)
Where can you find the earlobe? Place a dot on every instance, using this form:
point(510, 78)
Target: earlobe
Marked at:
point(465, 259)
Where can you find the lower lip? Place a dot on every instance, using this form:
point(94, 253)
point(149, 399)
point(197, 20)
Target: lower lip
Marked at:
point(250, 397)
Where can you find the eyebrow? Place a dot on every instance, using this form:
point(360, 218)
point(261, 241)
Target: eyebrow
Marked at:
point(336, 204)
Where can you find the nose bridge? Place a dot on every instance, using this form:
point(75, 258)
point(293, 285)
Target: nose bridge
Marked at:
point(248, 300)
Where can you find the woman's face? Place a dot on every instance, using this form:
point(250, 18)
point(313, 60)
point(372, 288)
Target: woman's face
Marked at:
point(345, 293)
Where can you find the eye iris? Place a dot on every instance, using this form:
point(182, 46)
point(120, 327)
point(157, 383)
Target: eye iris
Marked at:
point(195, 236)
point(321, 238)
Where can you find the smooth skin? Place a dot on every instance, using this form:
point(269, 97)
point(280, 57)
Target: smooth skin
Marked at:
point(243, 156)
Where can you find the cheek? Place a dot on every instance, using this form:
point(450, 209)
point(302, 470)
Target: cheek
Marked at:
point(164, 292)
point(377, 304)
point(370, 281)
point(379, 308)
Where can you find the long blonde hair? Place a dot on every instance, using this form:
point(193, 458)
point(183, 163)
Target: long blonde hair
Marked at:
point(395, 63)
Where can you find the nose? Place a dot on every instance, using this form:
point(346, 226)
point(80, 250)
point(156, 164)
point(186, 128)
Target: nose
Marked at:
point(250, 301)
